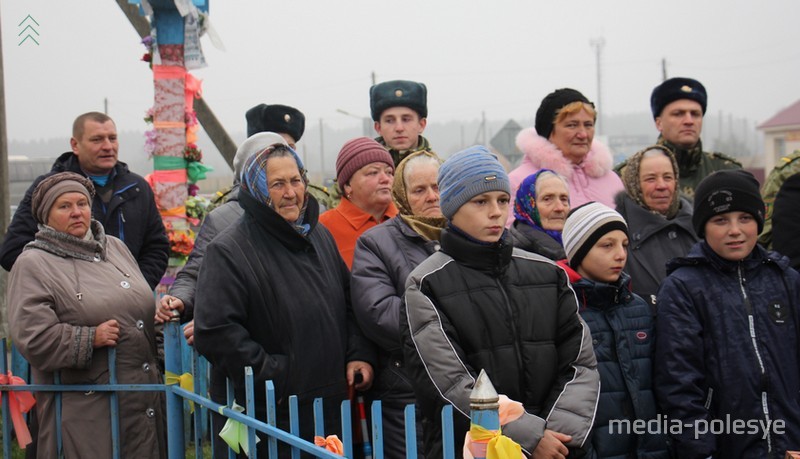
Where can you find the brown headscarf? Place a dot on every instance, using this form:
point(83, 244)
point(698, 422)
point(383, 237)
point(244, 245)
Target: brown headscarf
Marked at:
point(49, 189)
point(630, 178)
point(429, 228)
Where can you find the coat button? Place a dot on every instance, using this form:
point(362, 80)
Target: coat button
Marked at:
point(145, 367)
point(397, 364)
point(140, 324)
point(150, 412)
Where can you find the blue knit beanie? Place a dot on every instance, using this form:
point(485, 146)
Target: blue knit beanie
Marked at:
point(467, 174)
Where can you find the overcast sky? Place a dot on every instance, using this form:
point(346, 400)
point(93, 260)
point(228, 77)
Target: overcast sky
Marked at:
point(498, 56)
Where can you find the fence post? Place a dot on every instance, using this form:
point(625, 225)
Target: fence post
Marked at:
point(172, 364)
point(484, 413)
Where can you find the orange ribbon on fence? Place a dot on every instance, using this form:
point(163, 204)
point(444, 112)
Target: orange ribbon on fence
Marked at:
point(331, 443)
point(20, 402)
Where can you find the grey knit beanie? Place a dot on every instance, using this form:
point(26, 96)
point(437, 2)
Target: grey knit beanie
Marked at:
point(467, 174)
point(585, 226)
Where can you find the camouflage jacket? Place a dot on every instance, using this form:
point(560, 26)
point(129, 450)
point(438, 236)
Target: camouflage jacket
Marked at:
point(399, 155)
point(786, 167)
point(694, 165)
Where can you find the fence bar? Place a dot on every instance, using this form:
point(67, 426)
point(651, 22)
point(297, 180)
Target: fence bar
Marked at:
point(59, 444)
point(272, 443)
point(199, 413)
point(114, 401)
point(411, 432)
point(294, 423)
point(319, 418)
point(448, 442)
point(231, 397)
point(377, 430)
point(172, 363)
point(347, 428)
point(250, 403)
point(5, 403)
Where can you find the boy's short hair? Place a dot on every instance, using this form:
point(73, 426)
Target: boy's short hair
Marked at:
point(724, 191)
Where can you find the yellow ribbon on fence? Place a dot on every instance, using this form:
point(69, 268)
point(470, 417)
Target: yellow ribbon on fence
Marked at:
point(185, 381)
point(498, 445)
point(235, 433)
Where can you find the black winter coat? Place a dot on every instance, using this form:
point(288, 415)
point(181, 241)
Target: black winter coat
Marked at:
point(534, 240)
point(270, 298)
point(623, 336)
point(727, 351)
point(131, 216)
point(512, 313)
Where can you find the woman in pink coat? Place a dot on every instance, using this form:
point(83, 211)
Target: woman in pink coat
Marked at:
point(563, 141)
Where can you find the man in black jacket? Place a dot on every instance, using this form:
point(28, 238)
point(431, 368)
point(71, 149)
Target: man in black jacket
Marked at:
point(124, 203)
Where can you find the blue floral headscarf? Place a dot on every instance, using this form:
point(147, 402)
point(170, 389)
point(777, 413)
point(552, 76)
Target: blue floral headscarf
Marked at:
point(254, 181)
point(525, 205)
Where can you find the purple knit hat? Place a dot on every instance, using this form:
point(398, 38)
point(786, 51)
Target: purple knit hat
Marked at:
point(356, 154)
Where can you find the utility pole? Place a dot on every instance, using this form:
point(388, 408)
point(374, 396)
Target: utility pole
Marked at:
point(663, 69)
point(5, 211)
point(373, 78)
point(105, 105)
point(321, 150)
point(598, 44)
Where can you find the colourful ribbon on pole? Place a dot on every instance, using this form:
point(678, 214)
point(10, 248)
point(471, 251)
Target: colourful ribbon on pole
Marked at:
point(195, 170)
point(184, 381)
point(330, 443)
point(498, 446)
point(193, 88)
point(235, 433)
point(19, 403)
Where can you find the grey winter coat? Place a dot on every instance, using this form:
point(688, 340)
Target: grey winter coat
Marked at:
point(216, 221)
point(653, 242)
point(60, 289)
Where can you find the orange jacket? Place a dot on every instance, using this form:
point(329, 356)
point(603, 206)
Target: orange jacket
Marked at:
point(347, 222)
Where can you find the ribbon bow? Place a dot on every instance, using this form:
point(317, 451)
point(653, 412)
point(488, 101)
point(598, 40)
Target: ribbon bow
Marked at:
point(185, 381)
point(235, 433)
point(331, 443)
point(20, 402)
point(498, 446)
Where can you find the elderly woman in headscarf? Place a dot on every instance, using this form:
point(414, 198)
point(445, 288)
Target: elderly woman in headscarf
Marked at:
point(273, 295)
point(659, 218)
point(540, 210)
point(563, 141)
point(73, 293)
point(364, 173)
point(384, 256)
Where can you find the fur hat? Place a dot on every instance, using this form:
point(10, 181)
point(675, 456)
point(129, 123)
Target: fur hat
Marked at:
point(467, 174)
point(357, 153)
point(674, 89)
point(724, 191)
point(49, 189)
point(585, 226)
point(551, 104)
point(398, 93)
point(276, 118)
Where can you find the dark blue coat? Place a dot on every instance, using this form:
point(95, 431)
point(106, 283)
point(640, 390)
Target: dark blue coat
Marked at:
point(131, 215)
point(622, 328)
point(727, 351)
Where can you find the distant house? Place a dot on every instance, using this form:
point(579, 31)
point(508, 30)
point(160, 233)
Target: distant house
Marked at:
point(781, 135)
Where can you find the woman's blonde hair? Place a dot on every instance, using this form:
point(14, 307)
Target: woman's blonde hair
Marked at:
point(573, 108)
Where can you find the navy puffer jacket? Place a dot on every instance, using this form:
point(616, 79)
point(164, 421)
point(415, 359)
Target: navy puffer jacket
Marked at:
point(727, 352)
point(623, 337)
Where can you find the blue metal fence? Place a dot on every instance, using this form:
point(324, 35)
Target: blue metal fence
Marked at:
point(181, 359)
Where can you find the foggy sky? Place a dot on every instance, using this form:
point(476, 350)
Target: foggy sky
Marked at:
point(500, 57)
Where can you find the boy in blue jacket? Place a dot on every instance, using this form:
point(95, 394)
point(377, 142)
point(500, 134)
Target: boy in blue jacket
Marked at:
point(727, 372)
point(596, 242)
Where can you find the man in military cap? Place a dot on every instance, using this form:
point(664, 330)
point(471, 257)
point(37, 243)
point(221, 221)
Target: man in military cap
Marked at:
point(787, 166)
point(290, 123)
point(678, 106)
point(400, 110)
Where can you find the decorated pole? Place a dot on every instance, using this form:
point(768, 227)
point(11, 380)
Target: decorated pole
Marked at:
point(484, 414)
point(173, 49)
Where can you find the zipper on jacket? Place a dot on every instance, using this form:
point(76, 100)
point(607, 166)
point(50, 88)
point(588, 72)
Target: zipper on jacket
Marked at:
point(517, 348)
point(754, 341)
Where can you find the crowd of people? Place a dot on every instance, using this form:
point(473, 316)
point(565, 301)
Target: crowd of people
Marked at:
point(597, 298)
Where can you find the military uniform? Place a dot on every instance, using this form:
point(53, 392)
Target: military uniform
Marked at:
point(694, 165)
point(399, 155)
point(787, 166)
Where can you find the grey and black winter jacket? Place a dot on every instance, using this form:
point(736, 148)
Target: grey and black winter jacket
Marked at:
point(473, 306)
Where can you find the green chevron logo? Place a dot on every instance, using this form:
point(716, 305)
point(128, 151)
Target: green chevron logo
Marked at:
point(29, 31)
